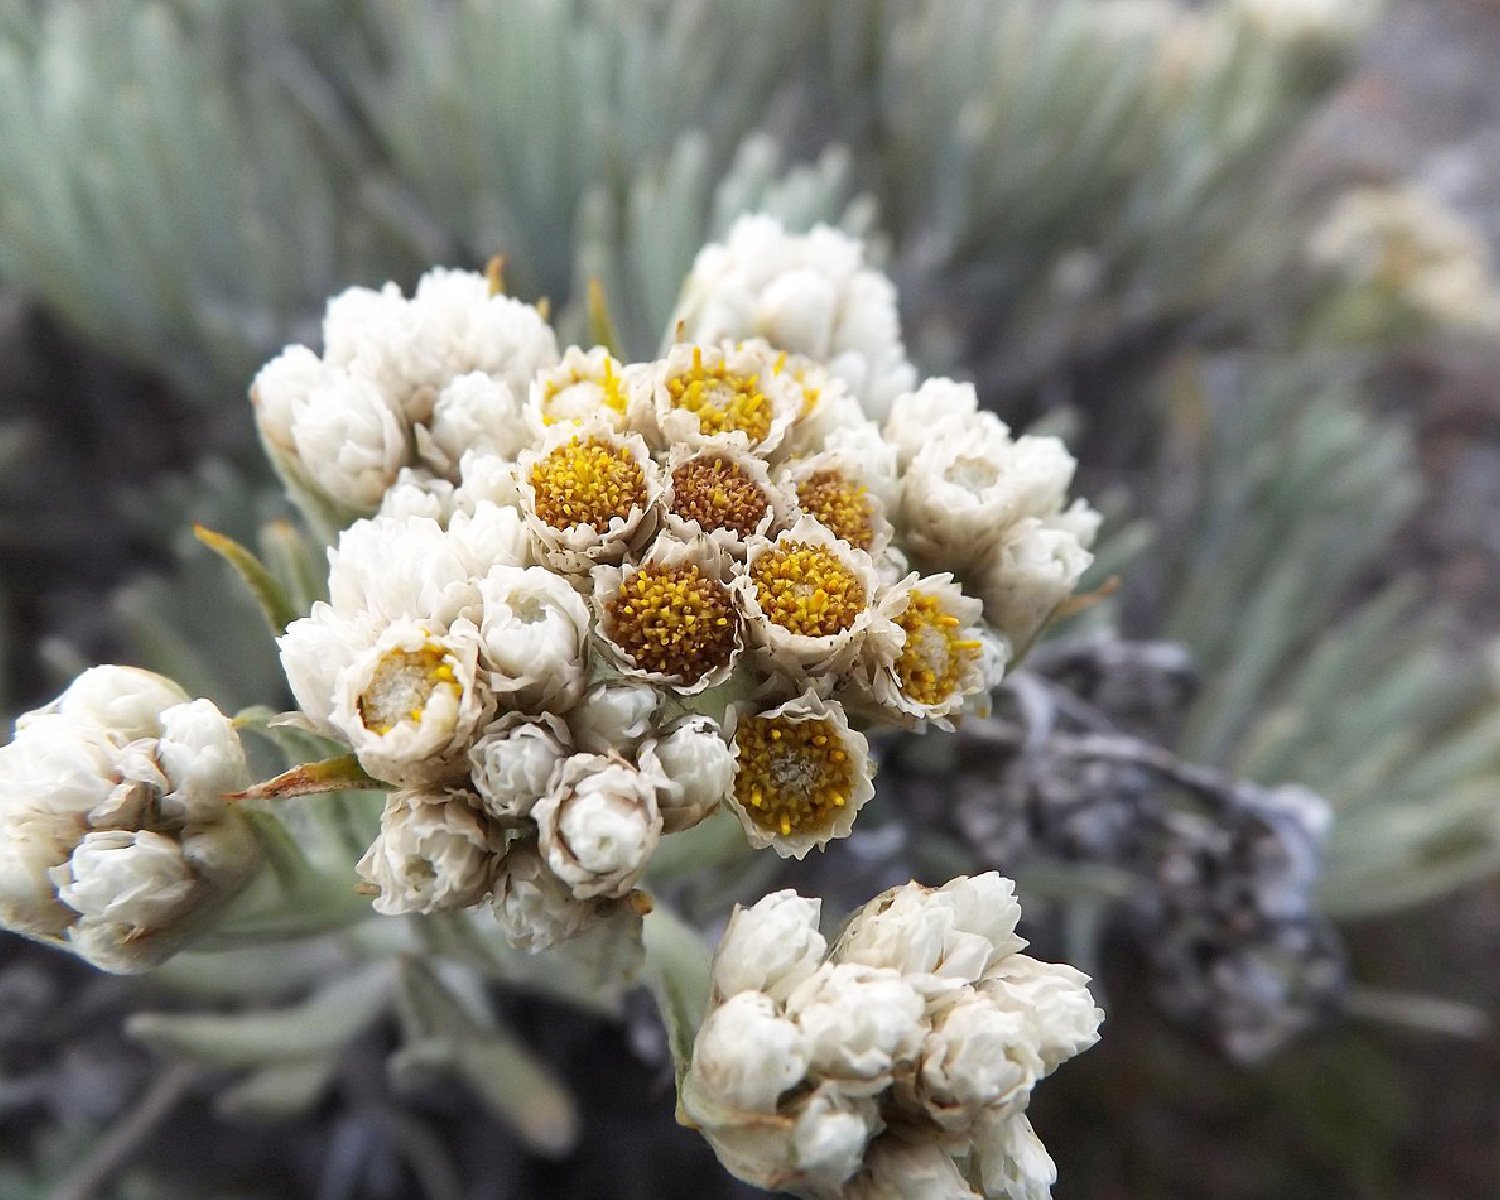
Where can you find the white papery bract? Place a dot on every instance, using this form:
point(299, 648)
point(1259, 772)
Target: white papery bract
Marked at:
point(436, 851)
point(599, 824)
point(698, 767)
point(810, 294)
point(614, 716)
point(924, 1023)
point(938, 406)
point(514, 760)
point(117, 836)
point(535, 630)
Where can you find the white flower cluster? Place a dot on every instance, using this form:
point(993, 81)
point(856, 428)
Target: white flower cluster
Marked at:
point(115, 838)
point(627, 592)
point(900, 1062)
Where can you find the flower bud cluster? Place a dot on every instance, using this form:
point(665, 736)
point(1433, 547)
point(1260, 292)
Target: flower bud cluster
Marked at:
point(898, 1063)
point(625, 593)
point(115, 838)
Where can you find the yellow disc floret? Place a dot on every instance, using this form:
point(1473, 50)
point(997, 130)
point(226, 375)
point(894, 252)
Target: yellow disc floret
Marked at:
point(719, 494)
point(807, 589)
point(723, 400)
point(677, 621)
point(792, 777)
point(935, 655)
point(611, 388)
point(841, 505)
point(587, 482)
point(401, 686)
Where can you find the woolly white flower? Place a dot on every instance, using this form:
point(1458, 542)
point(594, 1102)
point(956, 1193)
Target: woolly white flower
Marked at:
point(1012, 1160)
point(349, 441)
point(879, 463)
point(514, 760)
point(860, 1024)
point(898, 1169)
point(772, 947)
point(1054, 1000)
point(589, 495)
point(535, 630)
point(585, 385)
point(365, 326)
point(472, 412)
point(726, 394)
point(418, 493)
point(745, 1058)
point(801, 774)
point(115, 834)
point(1036, 567)
point(412, 702)
point(537, 910)
point(435, 851)
point(670, 619)
point(721, 493)
point(939, 664)
point(614, 717)
point(975, 1056)
point(486, 478)
point(938, 406)
point(485, 535)
point(387, 568)
point(961, 491)
point(281, 387)
point(698, 767)
point(837, 490)
point(810, 294)
point(953, 933)
point(808, 600)
point(599, 825)
point(826, 407)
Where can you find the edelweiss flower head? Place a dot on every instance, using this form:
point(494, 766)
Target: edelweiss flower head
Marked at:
point(722, 395)
point(671, 619)
point(698, 767)
point(858, 1023)
point(806, 293)
point(772, 947)
point(721, 493)
point(938, 406)
point(514, 760)
point(410, 705)
point(940, 664)
point(1037, 565)
point(807, 599)
point(115, 834)
point(590, 495)
point(827, 406)
point(599, 824)
point(349, 441)
point(387, 568)
point(473, 412)
point(801, 774)
point(832, 488)
point(587, 385)
point(535, 631)
point(897, 1169)
point(614, 717)
point(417, 492)
point(436, 850)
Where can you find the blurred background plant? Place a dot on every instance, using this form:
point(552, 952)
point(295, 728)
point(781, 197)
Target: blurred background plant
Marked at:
point(1134, 221)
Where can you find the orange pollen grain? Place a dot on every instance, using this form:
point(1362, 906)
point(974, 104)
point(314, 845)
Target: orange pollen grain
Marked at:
point(677, 621)
point(844, 507)
point(723, 400)
point(807, 589)
point(934, 658)
point(792, 776)
point(587, 483)
point(719, 494)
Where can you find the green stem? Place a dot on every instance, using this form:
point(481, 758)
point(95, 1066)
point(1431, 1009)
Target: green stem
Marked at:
point(679, 973)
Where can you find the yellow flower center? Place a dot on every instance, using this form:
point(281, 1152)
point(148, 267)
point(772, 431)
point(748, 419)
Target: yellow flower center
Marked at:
point(587, 483)
point(792, 776)
point(612, 394)
point(719, 494)
point(805, 588)
point(933, 659)
point(401, 686)
point(841, 505)
point(674, 620)
point(721, 399)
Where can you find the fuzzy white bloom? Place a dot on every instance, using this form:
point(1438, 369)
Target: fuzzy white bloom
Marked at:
point(1037, 565)
point(537, 910)
point(614, 717)
point(115, 835)
point(940, 664)
point(838, 489)
point(485, 535)
point(349, 441)
point(472, 412)
point(897, 1169)
point(745, 1058)
point(599, 824)
point(938, 406)
point(808, 601)
point(435, 851)
point(418, 493)
point(860, 1024)
point(589, 495)
point(772, 947)
point(725, 394)
point(1013, 1163)
point(387, 568)
point(585, 385)
point(1054, 1000)
point(281, 387)
point(514, 760)
point(535, 630)
point(976, 1055)
point(806, 293)
point(801, 774)
point(722, 494)
point(698, 766)
point(365, 326)
point(827, 407)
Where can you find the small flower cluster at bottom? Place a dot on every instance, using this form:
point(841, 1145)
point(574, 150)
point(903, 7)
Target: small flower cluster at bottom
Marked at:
point(900, 1062)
